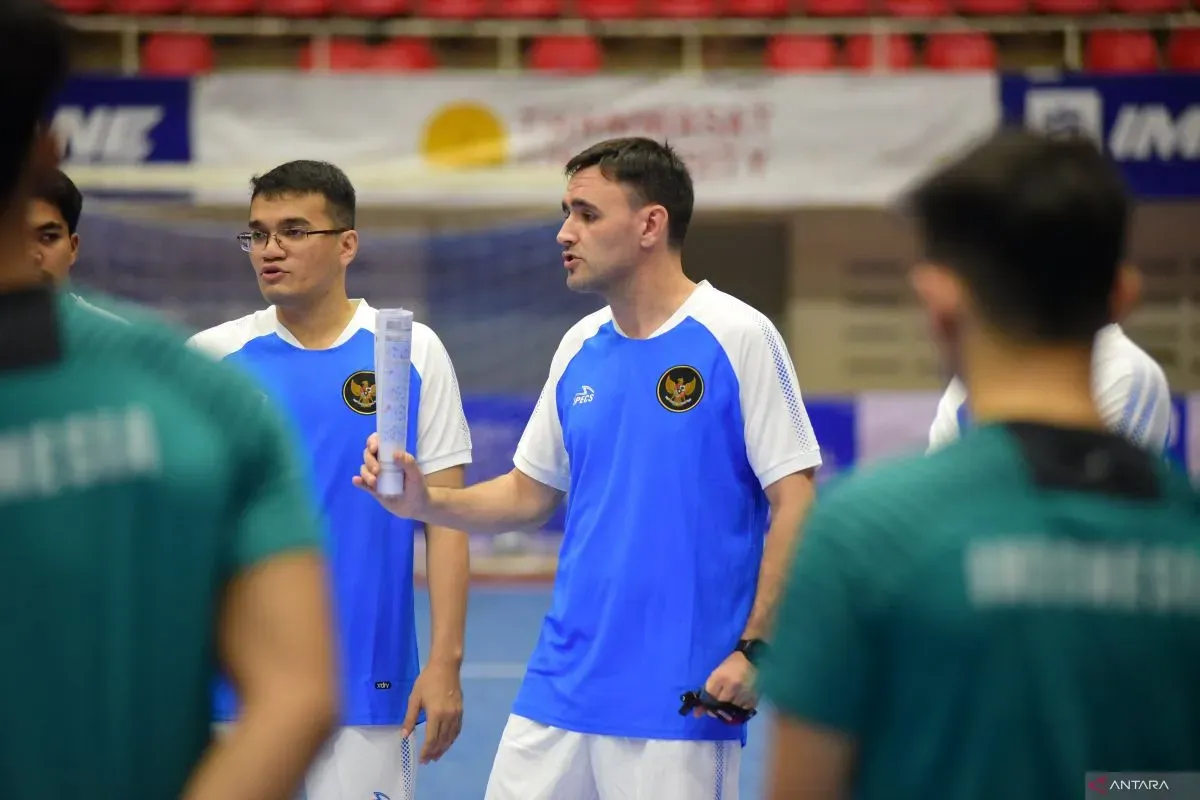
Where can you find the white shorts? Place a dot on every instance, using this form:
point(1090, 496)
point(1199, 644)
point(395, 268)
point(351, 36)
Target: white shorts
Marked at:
point(538, 762)
point(370, 762)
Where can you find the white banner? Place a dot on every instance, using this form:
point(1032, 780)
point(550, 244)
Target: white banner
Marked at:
point(751, 141)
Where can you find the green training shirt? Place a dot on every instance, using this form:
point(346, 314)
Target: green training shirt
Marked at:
point(998, 619)
point(136, 478)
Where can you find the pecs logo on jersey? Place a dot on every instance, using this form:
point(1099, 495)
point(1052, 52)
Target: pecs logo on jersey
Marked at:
point(680, 388)
point(359, 392)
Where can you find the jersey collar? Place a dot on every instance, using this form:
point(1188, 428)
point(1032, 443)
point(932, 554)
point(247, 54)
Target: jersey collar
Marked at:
point(680, 314)
point(364, 318)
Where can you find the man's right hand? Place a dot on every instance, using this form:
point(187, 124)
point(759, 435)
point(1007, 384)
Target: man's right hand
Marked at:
point(414, 503)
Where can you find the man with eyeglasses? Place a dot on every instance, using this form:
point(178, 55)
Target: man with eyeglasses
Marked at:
point(313, 351)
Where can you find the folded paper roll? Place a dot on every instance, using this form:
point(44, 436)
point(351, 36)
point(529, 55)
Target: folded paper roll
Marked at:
point(393, 372)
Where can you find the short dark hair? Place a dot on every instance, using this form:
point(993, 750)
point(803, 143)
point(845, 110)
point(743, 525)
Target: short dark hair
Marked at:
point(54, 187)
point(310, 177)
point(33, 65)
point(652, 171)
point(1036, 226)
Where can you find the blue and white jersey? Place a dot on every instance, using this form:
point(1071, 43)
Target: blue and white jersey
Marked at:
point(329, 396)
point(664, 446)
point(1129, 387)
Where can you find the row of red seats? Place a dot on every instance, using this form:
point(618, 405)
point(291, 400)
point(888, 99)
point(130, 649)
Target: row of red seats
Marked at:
point(1105, 51)
point(618, 9)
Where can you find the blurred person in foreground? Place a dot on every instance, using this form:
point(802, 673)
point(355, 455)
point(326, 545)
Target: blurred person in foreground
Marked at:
point(313, 353)
point(152, 522)
point(1022, 607)
point(673, 423)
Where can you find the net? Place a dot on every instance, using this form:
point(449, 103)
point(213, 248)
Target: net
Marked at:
point(495, 296)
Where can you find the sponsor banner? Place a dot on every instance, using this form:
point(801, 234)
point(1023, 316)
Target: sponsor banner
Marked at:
point(124, 121)
point(1149, 124)
point(496, 423)
point(1190, 436)
point(894, 423)
point(835, 423)
point(750, 140)
point(1178, 440)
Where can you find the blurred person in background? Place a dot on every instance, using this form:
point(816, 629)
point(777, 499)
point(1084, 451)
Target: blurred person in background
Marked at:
point(1022, 607)
point(672, 421)
point(53, 221)
point(313, 353)
point(154, 522)
point(1128, 385)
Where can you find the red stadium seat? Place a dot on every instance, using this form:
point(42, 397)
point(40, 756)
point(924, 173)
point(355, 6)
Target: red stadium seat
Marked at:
point(81, 6)
point(918, 8)
point(608, 9)
point(683, 9)
point(580, 54)
point(1146, 6)
point(221, 8)
point(1120, 51)
point(404, 55)
point(177, 54)
point(297, 8)
point(800, 53)
point(993, 8)
point(1069, 7)
point(1183, 50)
point(345, 55)
point(837, 8)
point(960, 51)
point(371, 9)
point(451, 9)
point(897, 51)
point(527, 9)
point(145, 8)
point(757, 9)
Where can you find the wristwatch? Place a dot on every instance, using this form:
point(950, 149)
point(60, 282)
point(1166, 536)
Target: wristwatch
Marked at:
point(752, 649)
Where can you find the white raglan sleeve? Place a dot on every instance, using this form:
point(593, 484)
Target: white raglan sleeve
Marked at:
point(1134, 400)
point(224, 339)
point(779, 436)
point(211, 342)
point(443, 437)
point(944, 429)
point(541, 453)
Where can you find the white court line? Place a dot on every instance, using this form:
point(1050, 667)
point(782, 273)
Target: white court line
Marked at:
point(492, 671)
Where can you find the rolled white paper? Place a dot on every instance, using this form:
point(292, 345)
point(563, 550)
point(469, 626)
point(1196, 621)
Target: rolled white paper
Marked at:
point(393, 371)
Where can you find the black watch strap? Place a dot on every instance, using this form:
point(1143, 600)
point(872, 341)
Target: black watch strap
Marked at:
point(752, 649)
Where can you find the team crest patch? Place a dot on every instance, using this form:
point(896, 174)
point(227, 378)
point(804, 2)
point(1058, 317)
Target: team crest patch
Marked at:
point(359, 392)
point(680, 388)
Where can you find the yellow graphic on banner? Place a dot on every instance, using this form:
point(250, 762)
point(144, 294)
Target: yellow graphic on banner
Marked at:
point(464, 135)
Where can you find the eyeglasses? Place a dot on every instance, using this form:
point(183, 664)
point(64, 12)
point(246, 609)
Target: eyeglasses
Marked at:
point(257, 240)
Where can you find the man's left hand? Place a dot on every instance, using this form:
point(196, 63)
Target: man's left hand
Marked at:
point(733, 682)
point(438, 690)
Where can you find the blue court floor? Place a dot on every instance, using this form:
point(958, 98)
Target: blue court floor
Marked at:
point(502, 627)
